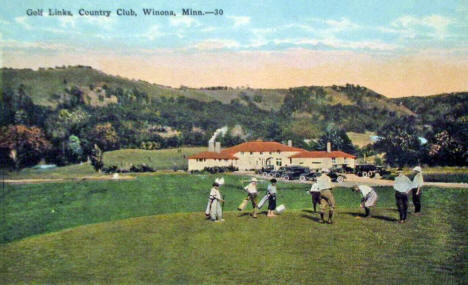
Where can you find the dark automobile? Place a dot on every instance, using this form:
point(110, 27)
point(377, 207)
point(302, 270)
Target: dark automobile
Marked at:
point(370, 170)
point(342, 169)
point(294, 172)
point(312, 176)
point(266, 171)
point(277, 173)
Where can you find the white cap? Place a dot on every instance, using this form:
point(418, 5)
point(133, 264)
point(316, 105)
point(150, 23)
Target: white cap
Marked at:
point(253, 179)
point(325, 170)
point(418, 169)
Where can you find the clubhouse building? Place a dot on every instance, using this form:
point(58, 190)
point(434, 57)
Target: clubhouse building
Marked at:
point(257, 154)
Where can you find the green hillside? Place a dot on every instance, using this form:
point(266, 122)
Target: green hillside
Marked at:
point(46, 86)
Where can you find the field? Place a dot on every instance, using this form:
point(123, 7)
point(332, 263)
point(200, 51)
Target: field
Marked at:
point(158, 159)
point(152, 230)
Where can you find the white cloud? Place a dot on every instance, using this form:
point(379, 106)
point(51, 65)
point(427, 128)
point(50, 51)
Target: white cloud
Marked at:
point(33, 45)
point(214, 44)
point(184, 21)
point(239, 20)
point(410, 26)
point(152, 33)
point(23, 22)
point(339, 44)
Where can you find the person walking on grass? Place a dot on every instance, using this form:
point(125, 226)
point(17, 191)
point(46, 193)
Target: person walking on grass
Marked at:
point(369, 198)
point(252, 195)
point(271, 191)
point(216, 211)
point(417, 184)
point(326, 196)
point(402, 186)
point(315, 192)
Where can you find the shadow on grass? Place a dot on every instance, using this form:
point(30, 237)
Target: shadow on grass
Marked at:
point(310, 211)
point(315, 219)
point(384, 218)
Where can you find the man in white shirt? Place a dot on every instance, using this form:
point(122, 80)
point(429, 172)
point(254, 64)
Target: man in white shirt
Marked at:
point(402, 186)
point(315, 192)
point(271, 190)
point(369, 197)
point(417, 184)
point(252, 195)
point(327, 200)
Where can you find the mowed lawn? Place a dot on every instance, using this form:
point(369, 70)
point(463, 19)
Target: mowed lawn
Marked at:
point(164, 159)
point(171, 243)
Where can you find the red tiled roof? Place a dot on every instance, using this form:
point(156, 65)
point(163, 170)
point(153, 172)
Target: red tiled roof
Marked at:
point(321, 154)
point(261, 146)
point(212, 155)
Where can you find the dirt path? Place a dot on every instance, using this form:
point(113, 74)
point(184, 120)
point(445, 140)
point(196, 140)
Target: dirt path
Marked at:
point(352, 179)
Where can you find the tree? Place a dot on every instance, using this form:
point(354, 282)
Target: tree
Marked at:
point(74, 150)
point(104, 136)
point(96, 158)
point(400, 143)
point(24, 145)
point(338, 139)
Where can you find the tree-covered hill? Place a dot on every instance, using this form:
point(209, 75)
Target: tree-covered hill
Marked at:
point(72, 109)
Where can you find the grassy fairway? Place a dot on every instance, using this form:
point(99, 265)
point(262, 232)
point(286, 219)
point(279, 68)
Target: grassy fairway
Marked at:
point(41, 208)
point(158, 159)
point(178, 246)
point(291, 249)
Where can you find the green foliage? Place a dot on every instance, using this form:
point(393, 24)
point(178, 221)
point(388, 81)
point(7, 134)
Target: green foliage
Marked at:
point(97, 158)
point(75, 152)
point(339, 141)
point(400, 143)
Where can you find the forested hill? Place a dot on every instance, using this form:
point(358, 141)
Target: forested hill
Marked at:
point(79, 106)
point(451, 106)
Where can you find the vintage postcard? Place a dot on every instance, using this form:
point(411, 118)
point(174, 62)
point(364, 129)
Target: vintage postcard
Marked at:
point(234, 142)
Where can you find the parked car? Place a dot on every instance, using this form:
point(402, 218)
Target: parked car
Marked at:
point(312, 176)
point(294, 172)
point(342, 169)
point(370, 170)
point(277, 173)
point(266, 171)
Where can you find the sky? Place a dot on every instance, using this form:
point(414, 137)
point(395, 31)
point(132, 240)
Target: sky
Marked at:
point(397, 48)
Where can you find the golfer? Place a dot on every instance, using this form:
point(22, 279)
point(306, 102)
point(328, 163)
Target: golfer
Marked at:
point(418, 182)
point(252, 195)
point(216, 211)
point(369, 198)
point(315, 192)
point(326, 196)
point(271, 190)
point(402, 186)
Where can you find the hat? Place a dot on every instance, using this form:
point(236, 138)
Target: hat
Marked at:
point(355, 188)
point(325, 170)
point(417, 168)
point(220, 181)
point(253, 179)
point(273, 180)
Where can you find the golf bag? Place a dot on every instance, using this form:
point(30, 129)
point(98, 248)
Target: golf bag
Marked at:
point(208, 207)
point(262, 202)
point(243, 204)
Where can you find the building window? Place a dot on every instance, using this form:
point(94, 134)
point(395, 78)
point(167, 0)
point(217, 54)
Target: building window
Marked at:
point(333, 160)
point(251, 153)
point(242, 153)
point(279, 162)
point(261, 153)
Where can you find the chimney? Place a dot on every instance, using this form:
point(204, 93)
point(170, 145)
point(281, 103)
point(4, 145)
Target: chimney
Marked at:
point(218, 147)
point(211, 146)
point(289, 142)
point(328, 146)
